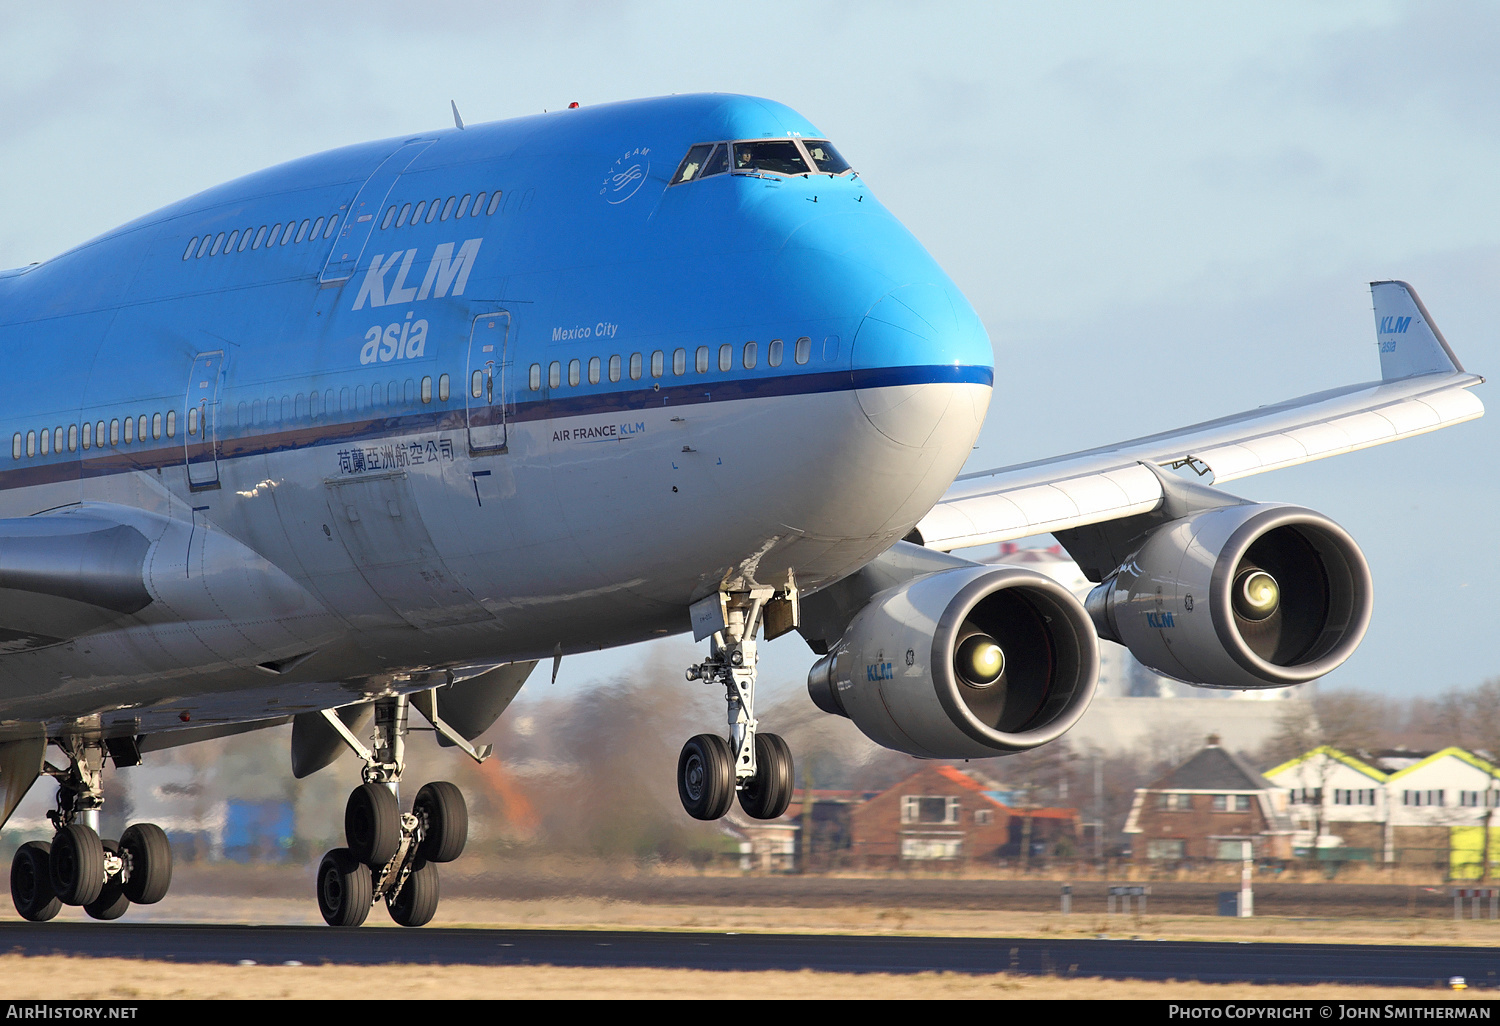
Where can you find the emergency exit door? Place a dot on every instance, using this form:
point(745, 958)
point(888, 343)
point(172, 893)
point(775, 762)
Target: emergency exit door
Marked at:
point(484, 390)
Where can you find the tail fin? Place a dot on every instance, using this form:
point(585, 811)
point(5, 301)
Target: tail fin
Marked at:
point(1410, 344)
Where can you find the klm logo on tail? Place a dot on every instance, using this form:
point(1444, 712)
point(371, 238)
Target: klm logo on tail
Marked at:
point(1394, 325)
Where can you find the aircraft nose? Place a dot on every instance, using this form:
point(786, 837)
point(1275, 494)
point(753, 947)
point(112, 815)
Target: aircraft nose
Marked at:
point(923, 366)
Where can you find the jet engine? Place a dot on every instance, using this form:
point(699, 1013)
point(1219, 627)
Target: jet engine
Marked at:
point(1257, 595)
point(968, 662)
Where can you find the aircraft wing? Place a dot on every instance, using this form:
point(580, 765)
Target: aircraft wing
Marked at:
point(1423, 387)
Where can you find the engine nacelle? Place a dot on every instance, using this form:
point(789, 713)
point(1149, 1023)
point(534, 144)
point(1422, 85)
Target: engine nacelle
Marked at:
point(966, 663)
point(1246, 596)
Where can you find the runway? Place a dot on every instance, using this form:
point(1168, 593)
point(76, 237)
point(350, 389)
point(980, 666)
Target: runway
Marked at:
point(1390, 965)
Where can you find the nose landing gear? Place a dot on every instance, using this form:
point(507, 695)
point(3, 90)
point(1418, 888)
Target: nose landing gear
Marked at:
point(758, 767)
point(78, 867)
point(393, 855)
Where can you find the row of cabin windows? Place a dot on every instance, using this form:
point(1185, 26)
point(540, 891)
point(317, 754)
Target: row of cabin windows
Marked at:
point(146, 427)
point(238, 241)
point(703, 359)
point(317, 404)
point(425, 211)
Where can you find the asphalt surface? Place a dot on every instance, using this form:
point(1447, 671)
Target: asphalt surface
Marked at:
point(1118, 959)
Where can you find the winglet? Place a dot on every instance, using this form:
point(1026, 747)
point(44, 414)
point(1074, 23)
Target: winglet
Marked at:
point(1410, 343)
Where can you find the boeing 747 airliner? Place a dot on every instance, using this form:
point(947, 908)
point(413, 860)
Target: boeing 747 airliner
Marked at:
point(380, 429)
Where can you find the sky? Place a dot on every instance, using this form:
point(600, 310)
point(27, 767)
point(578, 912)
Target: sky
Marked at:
point(1162, 212)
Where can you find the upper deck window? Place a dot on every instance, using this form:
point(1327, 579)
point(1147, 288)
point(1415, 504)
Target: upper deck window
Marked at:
point(778, 156)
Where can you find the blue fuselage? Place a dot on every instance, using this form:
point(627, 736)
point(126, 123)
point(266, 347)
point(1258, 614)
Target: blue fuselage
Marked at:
point(506, 392)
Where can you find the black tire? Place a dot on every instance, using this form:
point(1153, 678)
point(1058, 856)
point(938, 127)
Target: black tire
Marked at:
point(345, 888)
point(31, 882)
point(372, 824)
point(705, 777)
point(445, 822)
point(148, 862)
point(417, 901)
point(112, 902)
point(77, 864)
point(767, 794)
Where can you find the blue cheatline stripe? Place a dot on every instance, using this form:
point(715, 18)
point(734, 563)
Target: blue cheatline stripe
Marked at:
point(706, 390)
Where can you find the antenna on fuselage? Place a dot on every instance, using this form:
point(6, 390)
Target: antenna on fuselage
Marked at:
point(458, 122)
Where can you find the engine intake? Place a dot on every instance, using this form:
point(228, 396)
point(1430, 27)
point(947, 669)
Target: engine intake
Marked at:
point(969, 662)
point(1247, 596)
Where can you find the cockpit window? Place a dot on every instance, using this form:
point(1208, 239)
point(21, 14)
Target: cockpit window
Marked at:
point(825, 157)
point(778, 156)
point(692, 163)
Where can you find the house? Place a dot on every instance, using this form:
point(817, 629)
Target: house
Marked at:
point(1209, 807)
point(1340, 798)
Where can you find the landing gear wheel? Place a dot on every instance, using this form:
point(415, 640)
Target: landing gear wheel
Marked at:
point(148, 858)
point(445, 818)
point(31, 882)
point(345, 890)
point(417, 901)
point(112, 902)
point(77, 864)
point(767, 794)
point(372, 824)
point(705, 777)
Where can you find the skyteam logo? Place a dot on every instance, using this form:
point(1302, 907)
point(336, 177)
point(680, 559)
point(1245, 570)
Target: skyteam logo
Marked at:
point(446, 270)
point(626, 176)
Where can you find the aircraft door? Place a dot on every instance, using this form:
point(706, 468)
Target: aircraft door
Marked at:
point(360, 219)
point(484, 389)
point(201, 416)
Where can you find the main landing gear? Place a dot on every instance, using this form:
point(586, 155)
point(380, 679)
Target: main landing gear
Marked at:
point(758, 767)
point(393, 855)
point(78, 867)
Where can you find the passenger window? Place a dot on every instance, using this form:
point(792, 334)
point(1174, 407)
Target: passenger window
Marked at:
point(208, 240)
point(142, 431)
point(831, 348)
point(31, 443)
point(749, 360)
point(433, 208)
point(614, 367)
point(257, 414)
point(416, 215)
point(299, 407)
point(234, 237)
point(692, 163)
point(594, 370)
point(778, 156)
point(375, 397)
point(185, 254)
point(129, 430)
point(478, 204)
point(574, 369)
point(554, 374)
point(15, 447)
point(635, 366)
point(333, 221)
point(57, 439)
point(427, 389)
point(494, 201)
point(316, 228)
point(447, 208)
point(360, 400)
point(804, 350)
point(401, 217)
point(657, 363)
point(390, 215)
point(700, 360)
point(193, 419)
point(476, 385)
point(534, 378)
point(46, 441)
point(773, 353)
point(302, 229)
point(88, 434)
point(442, 388)
point(286, 234)
point(171, 428)
point(114, 431)
point(271, 239)
point(72, 437)
point(343, 403)
point(245, 239)
point(463, 205)
point(259, 238)
point(679, 361)
point(99, 433)
point(726, 357)
point(218, 241)
point(409, 391)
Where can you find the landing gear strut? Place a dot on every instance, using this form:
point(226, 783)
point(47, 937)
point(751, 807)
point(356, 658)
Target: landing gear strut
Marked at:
point(757, 766)
point(393, 855)
point(78, 867)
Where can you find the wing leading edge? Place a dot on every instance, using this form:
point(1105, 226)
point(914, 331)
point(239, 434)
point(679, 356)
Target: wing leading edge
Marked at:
point(1423, 387)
